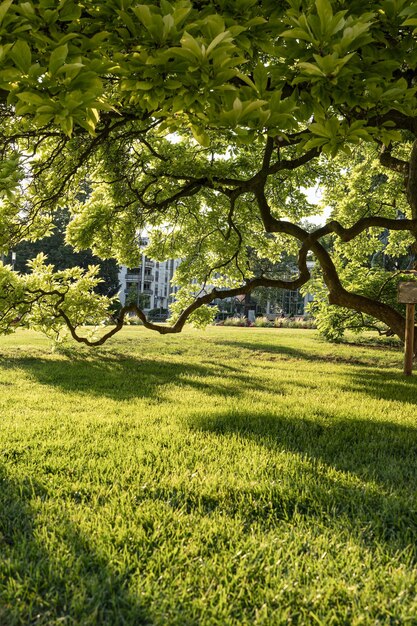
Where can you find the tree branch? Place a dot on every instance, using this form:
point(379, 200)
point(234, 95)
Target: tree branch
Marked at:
point(208, 298)
point(347, 234)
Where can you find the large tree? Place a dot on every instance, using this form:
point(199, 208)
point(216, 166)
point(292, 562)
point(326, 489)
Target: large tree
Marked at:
point(202, 122)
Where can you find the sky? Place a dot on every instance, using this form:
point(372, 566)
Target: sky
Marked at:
point(314, 196)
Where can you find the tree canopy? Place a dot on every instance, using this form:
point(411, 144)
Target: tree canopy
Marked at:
point(203, 123)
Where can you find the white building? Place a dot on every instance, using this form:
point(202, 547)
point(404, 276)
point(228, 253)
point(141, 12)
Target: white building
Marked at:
point(149, 284)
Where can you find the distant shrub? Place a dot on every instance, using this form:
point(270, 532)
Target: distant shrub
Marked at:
point(236, 321)
point(287, 322)
point(264, 322)
point(158, 314)
point(133, 320)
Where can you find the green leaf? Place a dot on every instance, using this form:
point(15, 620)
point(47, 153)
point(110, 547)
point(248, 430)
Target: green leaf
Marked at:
point(46, 108)
point(26, 9)
point(169, 24)
point(225, 36)
point(67, 124)
point(128, 21)
point(213, 26)
point(237, 105)
point(21, 55)
point(200, 136)
point(331, 64)
point(143, 13)
point(70, 69)
point(310, 68)
point(70, 12)
point(4, 7)
point(189, 43)
point(325, 13)
point(337, 23)
point(31, 98)
point(297, 33)
point(351, 33)
point(255, 21)
point(4, 50)
point(246, 80)
point(143, 85)
point(180, 15)
point(255, 105)
point(321, 130)
point(314, 143)
point(57, 58)
point(260, 76)
point(9, 75)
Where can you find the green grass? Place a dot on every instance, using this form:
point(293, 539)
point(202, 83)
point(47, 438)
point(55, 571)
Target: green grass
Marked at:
point(231, 477)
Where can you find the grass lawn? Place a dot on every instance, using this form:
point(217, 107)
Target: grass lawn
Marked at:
point(230, 477)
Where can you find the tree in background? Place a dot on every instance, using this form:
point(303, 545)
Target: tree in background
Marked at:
point(202, 122)
point(61, 255)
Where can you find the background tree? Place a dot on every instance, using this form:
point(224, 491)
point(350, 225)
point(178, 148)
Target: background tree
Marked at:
point(201, 122)
point(62, 255)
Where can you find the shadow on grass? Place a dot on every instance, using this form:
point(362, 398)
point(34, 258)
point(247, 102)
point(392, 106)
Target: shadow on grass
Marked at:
point(379, 451)
point(384, 385)
point(80, 589)
point(273, 351)
point(124, 378)
point(369, 376)
point(382, 455)
point(392, 344)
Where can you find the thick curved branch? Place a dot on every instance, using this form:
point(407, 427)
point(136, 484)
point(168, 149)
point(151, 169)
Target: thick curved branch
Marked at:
point(396, 165)
point(249, 184)
point(98, 342)
point(271, 223)
point(337, 293)
point(402, 120)
point(215, 294)
point(188, 190)
point(408, 169)
point(340, 296)
point(293, 164)
point(347, 234)
point(36, 296)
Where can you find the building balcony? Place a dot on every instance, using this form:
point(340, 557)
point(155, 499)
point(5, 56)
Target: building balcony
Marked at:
point(133, 276)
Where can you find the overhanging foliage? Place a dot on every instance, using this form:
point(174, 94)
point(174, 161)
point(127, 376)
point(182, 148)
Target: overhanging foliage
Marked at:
point(201, 122)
